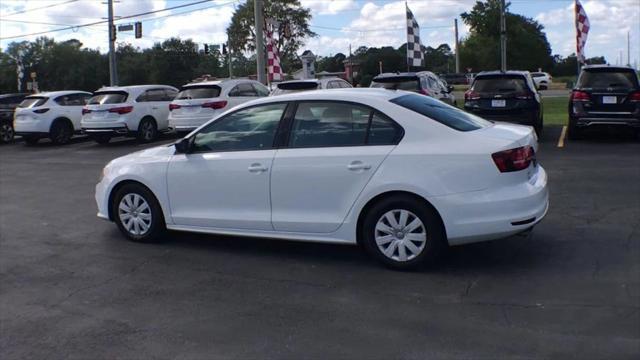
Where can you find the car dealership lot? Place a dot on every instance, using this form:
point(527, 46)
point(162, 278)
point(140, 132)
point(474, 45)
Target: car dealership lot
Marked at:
point(71, 286)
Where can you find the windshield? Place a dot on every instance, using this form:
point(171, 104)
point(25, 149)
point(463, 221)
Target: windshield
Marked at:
point(499, 84)
point(198, 92)
point(409, 84)
point(108, 97)
point(32, 101)
point(607, 78)
point(441, 112)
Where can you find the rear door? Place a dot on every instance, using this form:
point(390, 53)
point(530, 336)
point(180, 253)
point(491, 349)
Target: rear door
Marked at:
point(242, 93)
point(328, 161)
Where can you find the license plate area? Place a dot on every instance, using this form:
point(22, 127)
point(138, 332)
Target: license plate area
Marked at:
point(498, 103)
point(609, 100)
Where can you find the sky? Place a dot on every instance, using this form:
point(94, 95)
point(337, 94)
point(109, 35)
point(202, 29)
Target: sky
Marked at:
point(338, 23)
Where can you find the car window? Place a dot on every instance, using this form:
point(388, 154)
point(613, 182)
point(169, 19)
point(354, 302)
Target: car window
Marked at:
point(410, 85)
point(261, 90)
point(108, 97)
point(345, 85)
point(248, 129)
point(608, 78)
point(243, 90)
point(152, 95)
point(321, 124)
point(71, 100)
point(383, 131)
point(32, 101)
point(445, 114)
point(199, 92)
point(500, 84)
point(170, 94)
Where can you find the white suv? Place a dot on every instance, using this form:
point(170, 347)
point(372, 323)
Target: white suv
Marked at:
point(197, 103)
point(542, 80)
point(139, 110)
point(55, 115)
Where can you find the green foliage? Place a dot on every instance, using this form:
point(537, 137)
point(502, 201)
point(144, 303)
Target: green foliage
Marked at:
point(289, 13)
point(569, 66)
point(527, 45)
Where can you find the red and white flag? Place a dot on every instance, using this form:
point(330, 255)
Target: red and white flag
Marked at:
point(274, 71)
point(582, 30)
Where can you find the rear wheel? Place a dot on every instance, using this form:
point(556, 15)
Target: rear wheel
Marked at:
point(147, 130)
point(31, 139)
point(101, 139)
point(6, 132)
point(61, 132)
point(403, 233)
point(138, 214)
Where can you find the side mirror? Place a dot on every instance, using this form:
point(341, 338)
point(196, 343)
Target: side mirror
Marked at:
point(183, 146)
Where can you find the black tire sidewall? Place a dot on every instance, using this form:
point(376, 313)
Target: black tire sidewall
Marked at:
point(9, 128)
point(141, 134)
point(60, 125)
point(436, 238)
point(157, 228)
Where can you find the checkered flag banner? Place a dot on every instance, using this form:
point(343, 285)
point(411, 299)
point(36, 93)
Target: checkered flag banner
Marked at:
point(274, 71)
point(414, 47)
point(582, 30)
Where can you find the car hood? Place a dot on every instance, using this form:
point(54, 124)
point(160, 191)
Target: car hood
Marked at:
point(157, 153)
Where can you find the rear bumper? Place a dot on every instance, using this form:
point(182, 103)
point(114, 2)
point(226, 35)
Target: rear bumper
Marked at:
point(591, 120)
point(113, 130)
point(494, 213)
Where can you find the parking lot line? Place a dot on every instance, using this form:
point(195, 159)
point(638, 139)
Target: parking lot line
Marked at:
point(563, 134)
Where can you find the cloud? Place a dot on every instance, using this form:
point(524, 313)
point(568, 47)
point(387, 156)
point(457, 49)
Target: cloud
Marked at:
point(329, 7)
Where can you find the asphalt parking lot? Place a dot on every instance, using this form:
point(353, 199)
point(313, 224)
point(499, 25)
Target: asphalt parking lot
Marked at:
point(72, 287)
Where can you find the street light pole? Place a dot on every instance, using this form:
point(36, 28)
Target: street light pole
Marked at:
point(455, 23)
point(258, 6)
point(113, 70)
point(503, 37)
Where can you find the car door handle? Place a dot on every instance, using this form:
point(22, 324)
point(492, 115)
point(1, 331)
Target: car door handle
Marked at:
point(358, 165)
point(257, 168)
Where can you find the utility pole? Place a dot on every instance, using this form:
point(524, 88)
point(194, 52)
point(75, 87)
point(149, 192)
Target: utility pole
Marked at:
point(628, 51)
point(503, 37)
point(229, 59)
point(258, 13)
point(455, 24)
point(113, 70)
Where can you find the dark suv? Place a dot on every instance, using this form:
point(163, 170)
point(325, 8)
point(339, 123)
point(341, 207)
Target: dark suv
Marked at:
point(604, 95)
point(505, 96)
point(8, 104)
point(423, 82)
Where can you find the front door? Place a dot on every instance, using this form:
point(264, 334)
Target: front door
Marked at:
point(224, 181)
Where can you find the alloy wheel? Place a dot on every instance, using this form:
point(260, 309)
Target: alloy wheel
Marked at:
point(400, 235)
point(135, 214)
point(6, 132)
point(147, 131)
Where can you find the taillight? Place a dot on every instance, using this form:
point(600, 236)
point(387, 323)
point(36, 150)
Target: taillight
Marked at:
point(174, 106)
point(85, 111)
point(471, 95)
point(41, 111)
point(524, 96)
point(578, 95)
point(635, 96)
point(514, 159)
point(121, 110)
point(215, 104)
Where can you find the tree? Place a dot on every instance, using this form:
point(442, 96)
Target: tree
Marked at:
point(527, 45)
point(331, 63)
point(569, 66)
point(289, 13)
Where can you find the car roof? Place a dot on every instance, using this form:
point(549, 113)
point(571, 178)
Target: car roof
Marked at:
point(342, 94)
point(59, 93)
point(13, 94)
point(301, 81)
point(506, 73)
point(407, 75)
point(134, 87)
point(606, 66)
point(220, 82)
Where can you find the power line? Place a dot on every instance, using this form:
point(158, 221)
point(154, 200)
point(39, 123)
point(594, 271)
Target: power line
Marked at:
point(104, 21)
point(376, 30)
point(40, 8)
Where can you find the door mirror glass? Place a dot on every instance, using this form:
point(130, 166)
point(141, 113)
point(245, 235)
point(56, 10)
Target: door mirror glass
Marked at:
point(183, 146)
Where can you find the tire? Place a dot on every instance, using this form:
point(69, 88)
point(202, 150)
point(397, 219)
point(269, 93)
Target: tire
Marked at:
point(137, 214)
point(539, 125)
point(101, 139)
point(6, 132)
point(573, 132)
point(147, 130)
point(31, 139)
point(61, 132)
point(428, 237)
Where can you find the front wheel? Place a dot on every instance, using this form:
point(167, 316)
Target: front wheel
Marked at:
point(6, 132)
point(403, 233)
point(61, 132)
point(138, 214)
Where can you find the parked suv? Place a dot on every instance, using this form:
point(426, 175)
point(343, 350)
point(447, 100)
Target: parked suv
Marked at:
point(286, 87)
point(604, 95)
point(140, 110)
point(8, 104)
point(509, 96)
point(197, 103)
point(55, 115)
point(423, 82)
point(542, 80)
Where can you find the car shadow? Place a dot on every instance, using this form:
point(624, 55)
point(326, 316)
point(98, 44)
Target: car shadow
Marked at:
point(609, 134)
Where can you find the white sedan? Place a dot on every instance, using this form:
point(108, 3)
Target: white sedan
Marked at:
point(401, 174)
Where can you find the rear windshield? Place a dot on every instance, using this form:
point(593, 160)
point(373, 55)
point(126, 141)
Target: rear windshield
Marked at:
point(441, 112)
point(198, 92)
point(108, 97)
point(32, 101)
point(499, 84)
point(294, 87)
point(397, 84)
point(607, 78)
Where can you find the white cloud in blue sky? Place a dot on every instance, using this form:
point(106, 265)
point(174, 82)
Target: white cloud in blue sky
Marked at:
point(338, 23)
